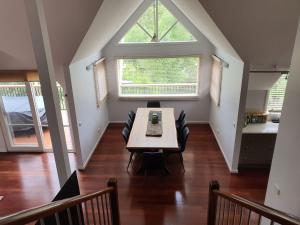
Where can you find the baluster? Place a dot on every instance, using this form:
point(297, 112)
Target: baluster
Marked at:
point(241, 216)
point(69, 217)
point(224, 208)
point(272, 222)
point(249, 217)
point(57, 220)
point(234, 213)
point(228, 214)
point(107, 212)
point(79, 214)
point(42, 221)
point(86, 213)
point(103, 213)
point(259, 219)
point(219, 210)
point(93, 211)
point(98, 209)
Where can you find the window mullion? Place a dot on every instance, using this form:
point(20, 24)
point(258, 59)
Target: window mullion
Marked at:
point(144, 29)
point(168, 31)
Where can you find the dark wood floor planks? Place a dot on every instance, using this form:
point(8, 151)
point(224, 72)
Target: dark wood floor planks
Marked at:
point(28, 180)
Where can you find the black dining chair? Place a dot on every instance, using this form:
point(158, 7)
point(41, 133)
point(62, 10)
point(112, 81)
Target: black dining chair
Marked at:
point(182, 140)
point(181, 127)
point(129, 124)
point(153, 104)
point(131, 115)
point(181, 117)
point(125, 134)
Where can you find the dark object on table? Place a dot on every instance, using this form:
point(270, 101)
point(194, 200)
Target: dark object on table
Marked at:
point(180, 119)
point(183, 137)
point(154, 129)
point(129, 124)
point(154, 119)
point(131, 115)
point(70, 189)
point(153, 104)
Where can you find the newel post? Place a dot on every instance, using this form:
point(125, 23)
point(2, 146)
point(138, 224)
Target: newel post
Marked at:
point(114, 202)
point(212, 202)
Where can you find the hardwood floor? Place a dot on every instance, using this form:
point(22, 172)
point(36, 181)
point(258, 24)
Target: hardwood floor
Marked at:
point(28, 180)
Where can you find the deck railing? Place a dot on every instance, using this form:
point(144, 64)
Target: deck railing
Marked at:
point(159, 89)
point(15, 90)
point(225, 208)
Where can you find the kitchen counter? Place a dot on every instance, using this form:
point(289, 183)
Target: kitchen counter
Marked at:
point(261, 128)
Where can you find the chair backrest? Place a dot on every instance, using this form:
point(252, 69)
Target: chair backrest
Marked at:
point(125, 134)
point(182, 125)
point(181, 116)
point(153, 104)
point(131, 115)
point(129, 124)
point(183, 138)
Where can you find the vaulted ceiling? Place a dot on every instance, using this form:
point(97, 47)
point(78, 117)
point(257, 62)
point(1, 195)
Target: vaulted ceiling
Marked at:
point(261, 31)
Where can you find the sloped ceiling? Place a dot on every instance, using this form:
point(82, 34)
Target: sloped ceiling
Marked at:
point(261, 31)
point(68, 22)
point(15, 41)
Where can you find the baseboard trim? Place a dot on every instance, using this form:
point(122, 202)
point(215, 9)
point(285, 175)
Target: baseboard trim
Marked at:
point(224, 156)
point(94, 149)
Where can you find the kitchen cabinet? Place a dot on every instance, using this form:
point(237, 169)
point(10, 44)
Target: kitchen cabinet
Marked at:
point(257, 147)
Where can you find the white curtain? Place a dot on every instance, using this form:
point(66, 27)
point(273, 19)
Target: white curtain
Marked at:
point(216, 81)
point(100, 81)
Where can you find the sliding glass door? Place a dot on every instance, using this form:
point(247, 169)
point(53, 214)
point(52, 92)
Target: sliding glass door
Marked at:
point(23, 117)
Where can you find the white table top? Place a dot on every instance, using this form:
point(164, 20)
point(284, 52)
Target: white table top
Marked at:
point(261, 128)
point(138, 138)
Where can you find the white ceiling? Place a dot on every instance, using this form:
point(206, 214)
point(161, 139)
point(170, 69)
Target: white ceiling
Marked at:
point(261, 31)
point(68, 22)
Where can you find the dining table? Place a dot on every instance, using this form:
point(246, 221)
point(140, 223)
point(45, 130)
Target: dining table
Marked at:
point(140, 141)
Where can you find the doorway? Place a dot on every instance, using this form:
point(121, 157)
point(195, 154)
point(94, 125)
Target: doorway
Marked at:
point(23, 117)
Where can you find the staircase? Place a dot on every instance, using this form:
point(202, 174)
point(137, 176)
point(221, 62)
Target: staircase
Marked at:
point(101, 208)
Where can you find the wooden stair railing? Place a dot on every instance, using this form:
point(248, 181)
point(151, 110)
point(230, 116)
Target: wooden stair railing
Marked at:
point(99, 208)
point(229, 209)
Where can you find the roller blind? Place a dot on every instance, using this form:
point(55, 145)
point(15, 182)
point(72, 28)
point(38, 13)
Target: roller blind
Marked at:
point(277, 93)
point(100, 81)
point(216, 81)
point(18, 75)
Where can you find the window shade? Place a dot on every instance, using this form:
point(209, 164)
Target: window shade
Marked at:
point(100, 81)
point(216, 81)
point(277, 93)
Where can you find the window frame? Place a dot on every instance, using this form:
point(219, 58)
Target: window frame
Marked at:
point(158, 97)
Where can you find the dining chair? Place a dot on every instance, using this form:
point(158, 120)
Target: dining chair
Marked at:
point(129, 124)
point(181, 127)
point(153, 104)
point(131, 115)
point(182, 140)
point(181, 117)
point(125, 134)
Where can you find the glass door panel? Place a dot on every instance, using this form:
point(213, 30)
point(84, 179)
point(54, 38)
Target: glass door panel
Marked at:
point(18, 116)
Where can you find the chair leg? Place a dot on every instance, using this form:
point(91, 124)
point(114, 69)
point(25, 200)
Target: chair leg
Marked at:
point(131, 155)
point(181, 160)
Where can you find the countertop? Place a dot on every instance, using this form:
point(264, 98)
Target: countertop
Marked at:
point(261, 128)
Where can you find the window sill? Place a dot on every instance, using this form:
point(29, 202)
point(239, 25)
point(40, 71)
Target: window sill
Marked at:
point(161, 98)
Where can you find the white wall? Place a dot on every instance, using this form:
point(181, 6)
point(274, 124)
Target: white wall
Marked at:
point(256, 101)
point(91, 121)
point(224, 118)
point(285, 170)
point(197, 109)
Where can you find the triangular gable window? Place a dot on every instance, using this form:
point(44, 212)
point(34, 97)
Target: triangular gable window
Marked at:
point(157, 24)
